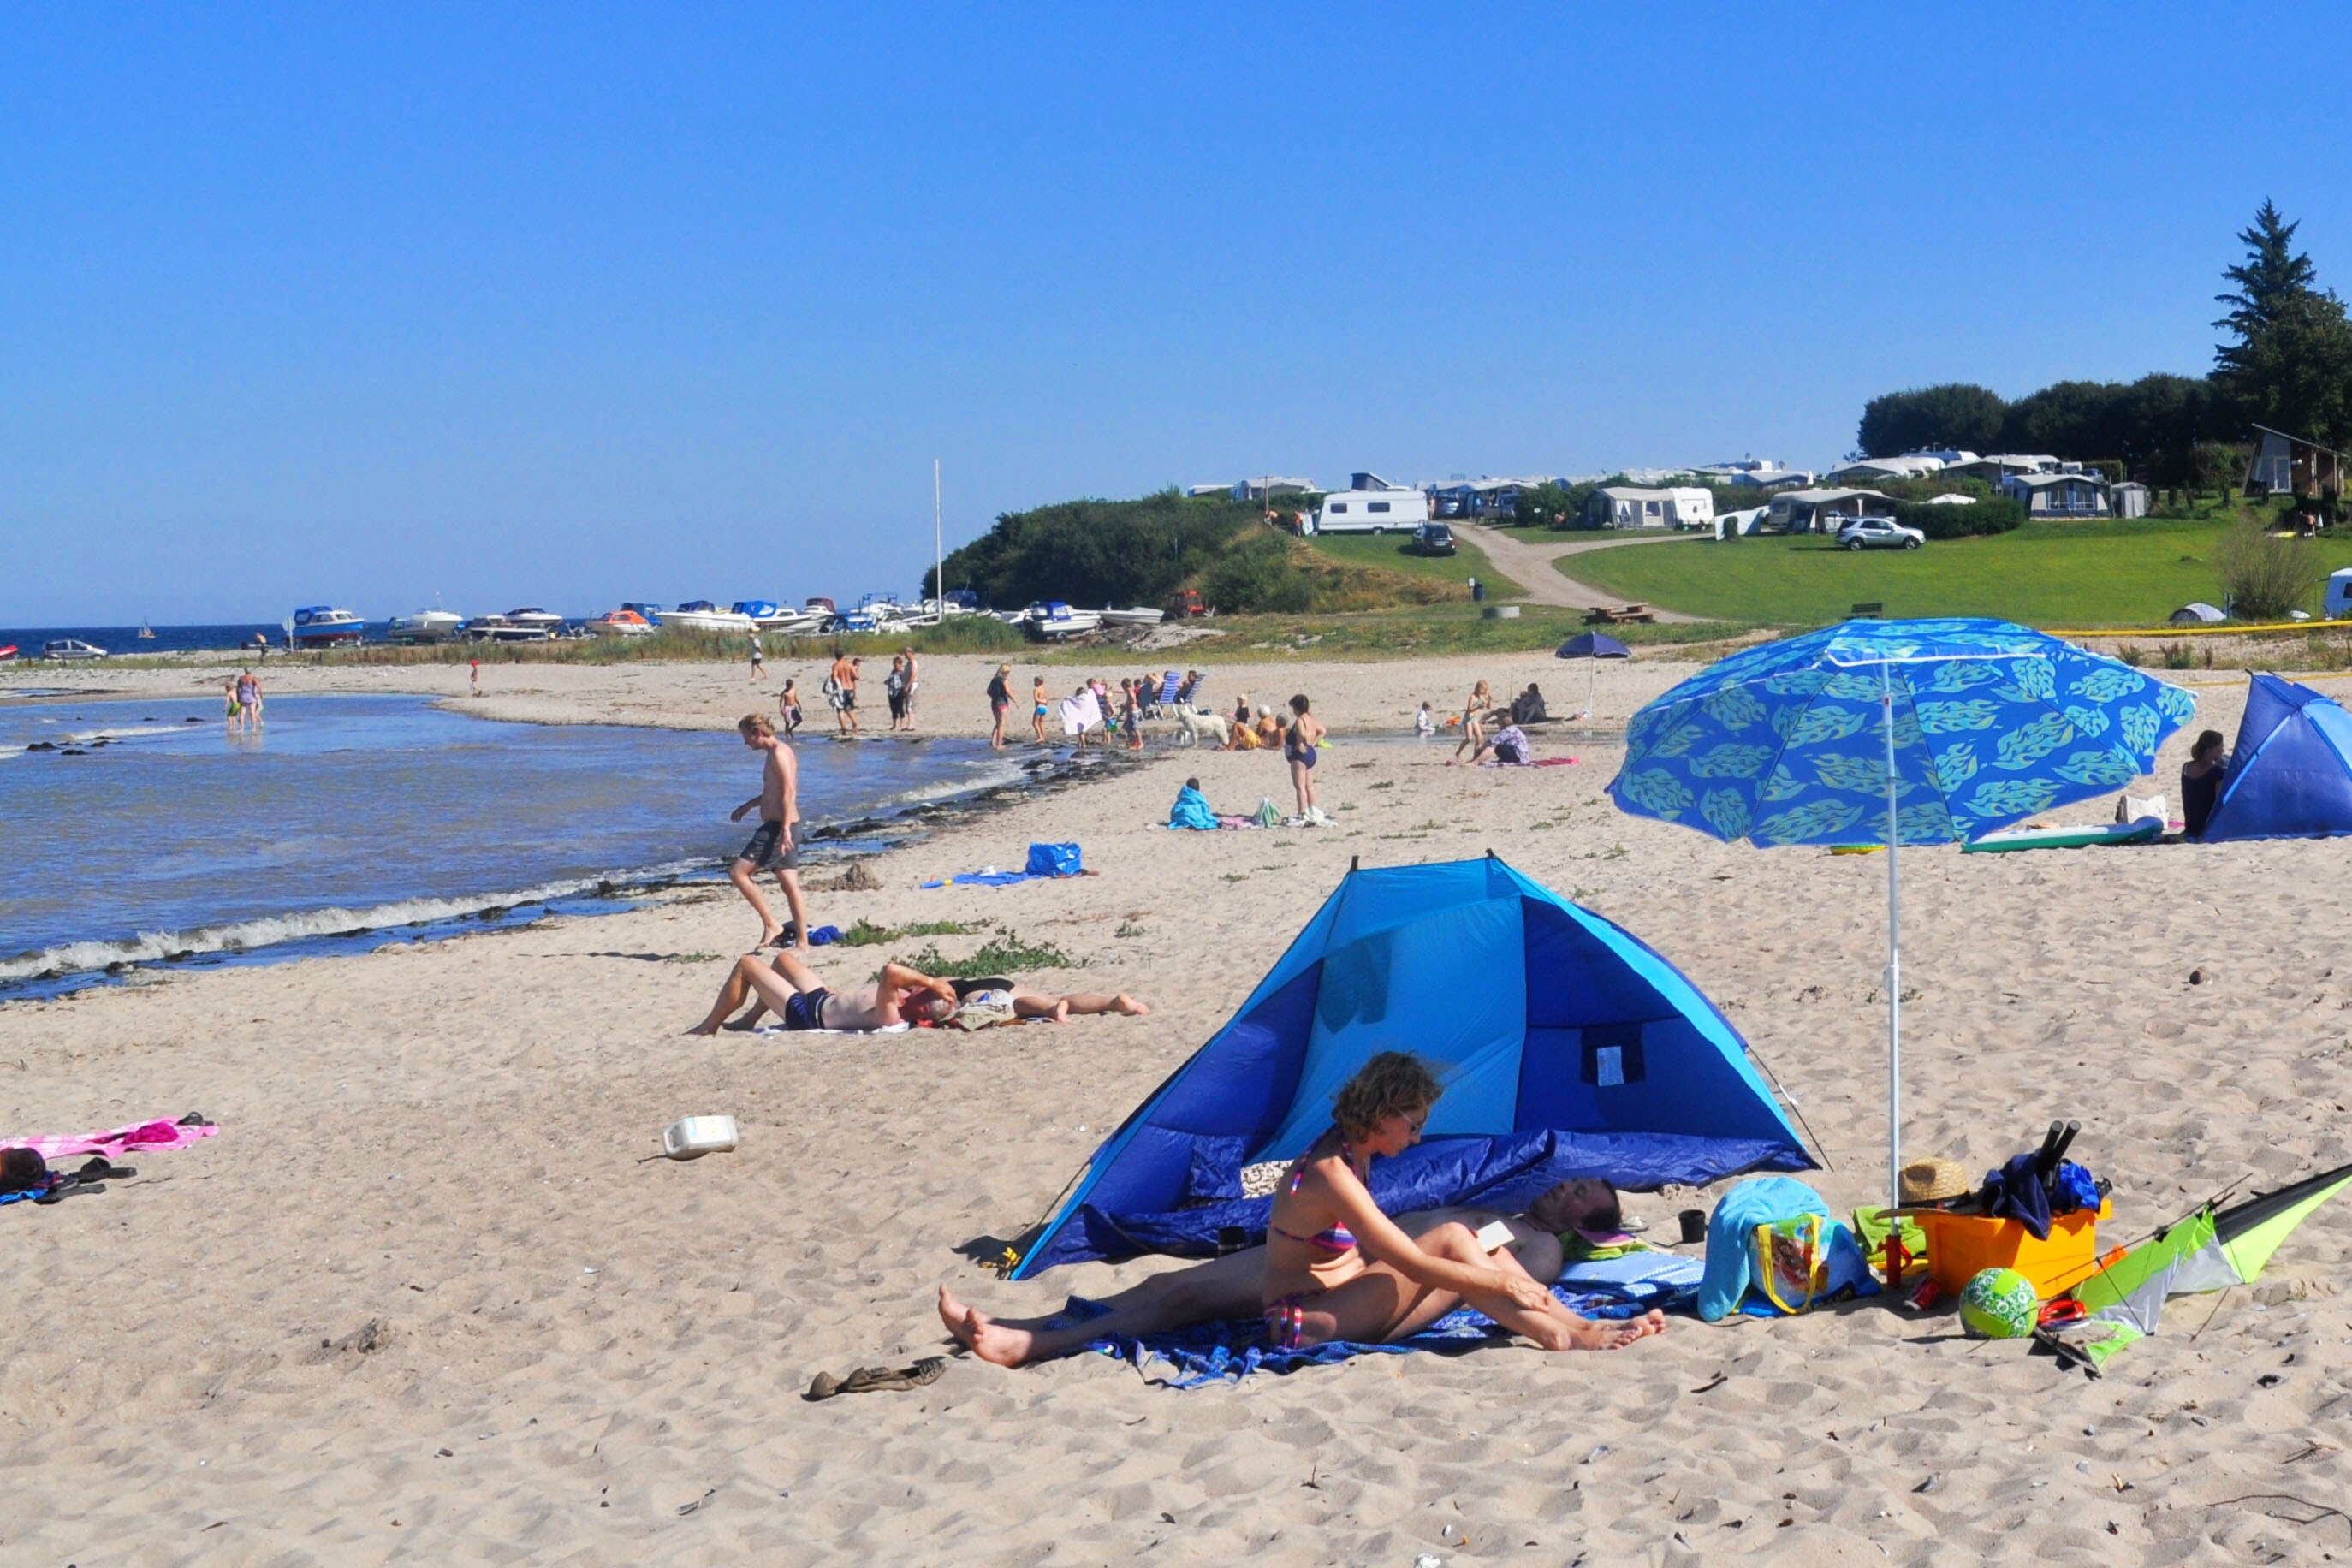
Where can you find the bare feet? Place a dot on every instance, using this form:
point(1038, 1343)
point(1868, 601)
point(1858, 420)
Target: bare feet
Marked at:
point(1601, 1334)
point(1061, 1012)
point(984, 1336)
point(1123, 1003)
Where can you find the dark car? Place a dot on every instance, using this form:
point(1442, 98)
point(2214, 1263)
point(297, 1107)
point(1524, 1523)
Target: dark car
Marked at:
point(1433, 539)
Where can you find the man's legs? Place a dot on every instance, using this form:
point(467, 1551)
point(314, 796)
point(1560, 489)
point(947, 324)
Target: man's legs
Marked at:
point(742, 874)
point(795, 900)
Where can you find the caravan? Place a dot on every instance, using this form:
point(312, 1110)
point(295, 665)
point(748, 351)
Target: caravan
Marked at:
point(1372, 511)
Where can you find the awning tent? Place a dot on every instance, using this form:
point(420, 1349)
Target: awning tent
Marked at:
point(1566, 1046)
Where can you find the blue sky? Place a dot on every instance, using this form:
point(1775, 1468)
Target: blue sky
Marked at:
point(569, 305)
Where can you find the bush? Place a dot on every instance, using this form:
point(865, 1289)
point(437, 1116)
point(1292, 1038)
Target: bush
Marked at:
point(1998, 515)
point(1095, 552)
point(1257, 575)
point(2266, 575)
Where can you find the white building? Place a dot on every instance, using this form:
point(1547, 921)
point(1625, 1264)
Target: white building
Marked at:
point(1265, 487)
point(1630, 506)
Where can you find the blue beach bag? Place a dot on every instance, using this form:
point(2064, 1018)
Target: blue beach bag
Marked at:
point(1055, 860)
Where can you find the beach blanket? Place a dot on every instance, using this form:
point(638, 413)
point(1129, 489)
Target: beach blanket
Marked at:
point(1080, 714)
point(1227, 1352)
point(142, 1136)
point(983, 879)
point(885, 1030)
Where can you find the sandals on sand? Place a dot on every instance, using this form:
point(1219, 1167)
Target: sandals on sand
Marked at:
point(878, 1379)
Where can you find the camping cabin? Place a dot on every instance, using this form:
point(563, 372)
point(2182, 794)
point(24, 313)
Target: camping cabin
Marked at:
point(2059, 494)
point(1372, 511)
point(2286, 465)
point(1626, 506)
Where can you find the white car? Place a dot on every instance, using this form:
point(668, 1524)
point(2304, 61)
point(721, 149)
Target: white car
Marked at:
point(1879, 533)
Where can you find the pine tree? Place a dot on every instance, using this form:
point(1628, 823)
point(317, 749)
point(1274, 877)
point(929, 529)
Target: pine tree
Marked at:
point(2291, 368)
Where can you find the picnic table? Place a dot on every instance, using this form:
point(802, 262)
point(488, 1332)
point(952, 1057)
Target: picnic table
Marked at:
point(1621, 614)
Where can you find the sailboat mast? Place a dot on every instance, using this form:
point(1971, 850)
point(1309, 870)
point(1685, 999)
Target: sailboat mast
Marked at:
point(938, 554)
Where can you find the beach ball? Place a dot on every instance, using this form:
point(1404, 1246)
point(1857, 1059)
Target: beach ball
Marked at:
point(2000, 1304)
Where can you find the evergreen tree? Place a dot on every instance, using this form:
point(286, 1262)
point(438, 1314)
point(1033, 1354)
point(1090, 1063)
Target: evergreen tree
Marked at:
point(2291, 366)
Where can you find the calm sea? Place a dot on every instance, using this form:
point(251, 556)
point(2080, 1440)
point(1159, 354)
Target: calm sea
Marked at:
point(351, 820)
point(167, 639)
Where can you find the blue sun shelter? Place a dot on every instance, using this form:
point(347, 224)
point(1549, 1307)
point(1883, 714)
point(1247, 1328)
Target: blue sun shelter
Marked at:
point(1567, 1047)
point(2291, 774)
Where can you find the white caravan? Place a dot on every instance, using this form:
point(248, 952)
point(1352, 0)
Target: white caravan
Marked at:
point(1372, 511)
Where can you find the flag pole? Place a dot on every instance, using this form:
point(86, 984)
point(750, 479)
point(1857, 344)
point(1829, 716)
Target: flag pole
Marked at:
point(938, 554)
point(1893, 959)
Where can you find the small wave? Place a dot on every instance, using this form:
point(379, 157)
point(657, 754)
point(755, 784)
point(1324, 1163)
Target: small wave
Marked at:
point(272, 931)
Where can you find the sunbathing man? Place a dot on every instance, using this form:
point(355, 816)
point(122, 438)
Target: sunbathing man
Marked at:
point(897, 995)
point(1229, 1287)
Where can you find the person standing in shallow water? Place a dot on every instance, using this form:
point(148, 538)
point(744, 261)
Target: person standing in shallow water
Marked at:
point(1000, 698)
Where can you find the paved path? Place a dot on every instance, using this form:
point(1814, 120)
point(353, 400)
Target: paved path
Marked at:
point(1528, 555)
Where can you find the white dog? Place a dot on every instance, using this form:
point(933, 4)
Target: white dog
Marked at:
point(1193, 726)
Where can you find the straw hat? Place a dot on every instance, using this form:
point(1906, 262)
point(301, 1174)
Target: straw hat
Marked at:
point(1934, 1180)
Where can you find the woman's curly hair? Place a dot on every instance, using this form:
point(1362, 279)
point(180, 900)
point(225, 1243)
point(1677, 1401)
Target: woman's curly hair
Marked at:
point(1393, 1083)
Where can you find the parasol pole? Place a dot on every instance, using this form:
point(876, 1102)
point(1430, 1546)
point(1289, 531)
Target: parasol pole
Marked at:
point(1894, 960)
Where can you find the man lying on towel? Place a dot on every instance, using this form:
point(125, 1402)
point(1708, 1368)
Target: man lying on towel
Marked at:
point(897, 995)
point(1229, 1287)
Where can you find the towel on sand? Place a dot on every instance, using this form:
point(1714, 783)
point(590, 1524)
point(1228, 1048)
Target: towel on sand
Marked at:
point(120, 1141)
point(1227, 1352)
point(1191, 810)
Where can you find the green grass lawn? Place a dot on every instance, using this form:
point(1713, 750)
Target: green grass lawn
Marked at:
point(2109, 574)
point(1394, 552)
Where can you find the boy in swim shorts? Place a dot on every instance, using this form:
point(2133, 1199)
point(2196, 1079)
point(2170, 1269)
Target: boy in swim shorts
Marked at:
point(775, 846)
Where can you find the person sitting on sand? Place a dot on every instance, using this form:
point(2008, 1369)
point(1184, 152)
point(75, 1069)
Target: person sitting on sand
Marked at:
point(1339, 1269)
point(1509, 745)
point(1269, 728)
point(897, 995)
point(2201, 782)
point(1232, 1286)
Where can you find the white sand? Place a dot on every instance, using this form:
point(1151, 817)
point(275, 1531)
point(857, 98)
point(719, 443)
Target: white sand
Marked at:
point(570, 1349)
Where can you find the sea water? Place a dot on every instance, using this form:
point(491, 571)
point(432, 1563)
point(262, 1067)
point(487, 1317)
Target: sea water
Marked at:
point(171, 838)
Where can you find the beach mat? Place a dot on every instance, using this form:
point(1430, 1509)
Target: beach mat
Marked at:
point(1229, 1352)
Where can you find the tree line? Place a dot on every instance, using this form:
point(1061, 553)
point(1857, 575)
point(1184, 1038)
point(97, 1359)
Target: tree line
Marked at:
point(2286, 363)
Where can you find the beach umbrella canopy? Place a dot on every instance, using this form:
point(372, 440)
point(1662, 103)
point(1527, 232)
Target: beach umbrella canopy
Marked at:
point(1592, 644)
point(1891, 732)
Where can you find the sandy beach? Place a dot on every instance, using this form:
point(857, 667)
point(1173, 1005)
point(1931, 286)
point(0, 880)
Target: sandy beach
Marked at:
point(429, 1298)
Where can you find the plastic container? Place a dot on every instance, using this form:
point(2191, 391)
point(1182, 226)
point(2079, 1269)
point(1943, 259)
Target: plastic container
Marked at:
point(1961, 1246)
point(691, 1137)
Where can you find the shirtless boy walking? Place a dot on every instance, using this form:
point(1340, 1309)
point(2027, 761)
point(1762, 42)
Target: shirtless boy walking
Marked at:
point(776, 845)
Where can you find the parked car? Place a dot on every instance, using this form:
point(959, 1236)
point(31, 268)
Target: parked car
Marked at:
point(1879, 533)
point(1433, 539)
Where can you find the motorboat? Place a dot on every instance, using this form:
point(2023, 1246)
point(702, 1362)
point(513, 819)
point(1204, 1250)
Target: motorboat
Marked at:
point(1111, 617)
point(324, 625)
point(703, 616)
point(503, 629)
point(70, 647)
point(7, 652)
point(770, 616)
point(818, 605)
point(620, 623)
point(652, 613)
point(427, 625)
point(532, 615)
point(1051, 620)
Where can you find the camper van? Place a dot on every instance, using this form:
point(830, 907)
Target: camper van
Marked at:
point(1372, 511)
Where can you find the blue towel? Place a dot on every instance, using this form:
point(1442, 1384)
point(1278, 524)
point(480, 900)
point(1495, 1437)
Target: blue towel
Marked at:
point(2015, 1192)
point(1227, 1352)
point(980, 878)
point(1191, 810)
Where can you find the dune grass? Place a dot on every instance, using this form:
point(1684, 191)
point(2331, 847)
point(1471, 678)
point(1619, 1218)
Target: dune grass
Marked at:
point(2091, 574)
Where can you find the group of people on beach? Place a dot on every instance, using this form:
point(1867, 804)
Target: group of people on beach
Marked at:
point(242, 697)
point(1491, 728)
point(1331, 1265)
point(840, 691)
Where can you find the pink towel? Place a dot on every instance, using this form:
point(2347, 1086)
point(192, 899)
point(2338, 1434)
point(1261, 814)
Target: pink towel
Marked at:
point(121, 1141)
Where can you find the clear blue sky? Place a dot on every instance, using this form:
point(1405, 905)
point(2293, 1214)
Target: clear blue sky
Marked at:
point(574, 304)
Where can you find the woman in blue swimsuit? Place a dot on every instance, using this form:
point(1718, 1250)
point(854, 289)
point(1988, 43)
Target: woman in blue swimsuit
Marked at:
point(1302, 744)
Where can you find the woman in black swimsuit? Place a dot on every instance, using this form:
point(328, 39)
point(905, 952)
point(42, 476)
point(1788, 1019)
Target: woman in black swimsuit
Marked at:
point(2201, 782)
point(1301, 747)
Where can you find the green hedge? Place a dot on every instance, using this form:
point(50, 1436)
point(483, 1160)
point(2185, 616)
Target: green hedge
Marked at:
point(1998, 515)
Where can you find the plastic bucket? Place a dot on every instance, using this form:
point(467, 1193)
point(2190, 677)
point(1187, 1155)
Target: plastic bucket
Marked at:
point(1961, 1246)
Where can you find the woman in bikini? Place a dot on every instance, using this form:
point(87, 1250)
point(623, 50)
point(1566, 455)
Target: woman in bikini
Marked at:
point(1339, 1269)
point(1473, 737)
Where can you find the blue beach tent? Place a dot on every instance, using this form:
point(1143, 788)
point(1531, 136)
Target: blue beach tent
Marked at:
point(1566, 1046)
point(2291, 775)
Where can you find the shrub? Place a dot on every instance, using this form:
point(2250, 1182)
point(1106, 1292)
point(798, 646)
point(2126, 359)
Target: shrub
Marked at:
point(2264, 575)
point(1256, 574)
point(1998, 515)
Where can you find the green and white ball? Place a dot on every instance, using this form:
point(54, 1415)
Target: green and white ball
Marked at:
point(2000, 1304)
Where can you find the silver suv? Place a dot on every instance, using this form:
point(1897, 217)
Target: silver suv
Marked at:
point(1879, 533)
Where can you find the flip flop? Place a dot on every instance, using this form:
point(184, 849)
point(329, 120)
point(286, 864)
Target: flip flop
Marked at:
point(101, 1169)
point(878, 1379)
